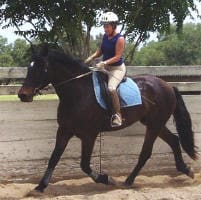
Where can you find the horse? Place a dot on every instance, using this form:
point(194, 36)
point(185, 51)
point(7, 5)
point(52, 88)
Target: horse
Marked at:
point(72, 80)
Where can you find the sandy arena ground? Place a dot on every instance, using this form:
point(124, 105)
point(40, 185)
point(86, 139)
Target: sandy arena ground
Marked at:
point(160, 187)
point(25, 149)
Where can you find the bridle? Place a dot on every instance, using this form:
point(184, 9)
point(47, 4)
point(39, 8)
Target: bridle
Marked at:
point(39, 84)
point(39, 88)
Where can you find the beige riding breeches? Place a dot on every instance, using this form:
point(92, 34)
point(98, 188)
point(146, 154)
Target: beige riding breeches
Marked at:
point(115, 75)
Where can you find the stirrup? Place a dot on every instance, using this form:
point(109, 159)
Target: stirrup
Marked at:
point(116, 120)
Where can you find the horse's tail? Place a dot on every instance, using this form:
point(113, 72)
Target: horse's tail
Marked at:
point(184, 126)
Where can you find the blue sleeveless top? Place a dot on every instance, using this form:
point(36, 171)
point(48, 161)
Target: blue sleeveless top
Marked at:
point(108, 48)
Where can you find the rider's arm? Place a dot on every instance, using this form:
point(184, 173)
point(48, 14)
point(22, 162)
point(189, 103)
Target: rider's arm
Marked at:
point(97, 54)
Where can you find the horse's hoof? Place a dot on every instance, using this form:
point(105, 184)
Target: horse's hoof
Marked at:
point(34, 193)
point(102, 178)
point(191, 173)
point(128, 183)
point(39, 189)
point(111, 181)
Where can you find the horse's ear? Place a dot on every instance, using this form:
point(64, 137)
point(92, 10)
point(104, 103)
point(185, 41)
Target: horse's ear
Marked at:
point(33, 50)
point(44, 50)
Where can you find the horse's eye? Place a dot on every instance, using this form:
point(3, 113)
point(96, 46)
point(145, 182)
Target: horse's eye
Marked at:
point(31, 64)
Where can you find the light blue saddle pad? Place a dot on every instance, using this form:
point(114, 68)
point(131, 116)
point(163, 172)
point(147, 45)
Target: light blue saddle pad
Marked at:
point(129, 93)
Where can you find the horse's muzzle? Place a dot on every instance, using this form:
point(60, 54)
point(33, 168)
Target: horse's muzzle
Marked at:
point(26, 94)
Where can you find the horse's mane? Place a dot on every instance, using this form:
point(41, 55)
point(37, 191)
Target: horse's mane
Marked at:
point(67, 60)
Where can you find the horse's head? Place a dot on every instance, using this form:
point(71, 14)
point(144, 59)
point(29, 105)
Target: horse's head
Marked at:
point(37, 76)
point(50, 66)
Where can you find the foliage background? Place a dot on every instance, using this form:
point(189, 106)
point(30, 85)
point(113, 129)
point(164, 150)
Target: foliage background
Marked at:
point(67, 25)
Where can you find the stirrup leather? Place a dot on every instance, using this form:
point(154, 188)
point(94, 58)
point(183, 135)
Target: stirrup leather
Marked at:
point(116, 120)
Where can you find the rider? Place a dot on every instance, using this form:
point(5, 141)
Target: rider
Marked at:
point(112, 48)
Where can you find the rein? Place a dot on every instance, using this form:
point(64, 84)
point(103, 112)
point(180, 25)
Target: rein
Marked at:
point(71, 79)
point(37, 90)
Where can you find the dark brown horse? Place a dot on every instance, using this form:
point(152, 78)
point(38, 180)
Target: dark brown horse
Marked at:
point(79, 114)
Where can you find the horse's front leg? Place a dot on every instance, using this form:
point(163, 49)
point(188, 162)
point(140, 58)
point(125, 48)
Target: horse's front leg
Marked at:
point(87, 148)
point(61, 142)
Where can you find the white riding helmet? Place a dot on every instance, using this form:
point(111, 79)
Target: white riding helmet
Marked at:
point(109, 17)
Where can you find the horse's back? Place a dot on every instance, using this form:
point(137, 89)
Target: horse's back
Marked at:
point(153, 86)
point(158, 97)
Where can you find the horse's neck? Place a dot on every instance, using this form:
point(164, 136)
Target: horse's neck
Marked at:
point(61, 74)
point(74, 88)
point(66, 81)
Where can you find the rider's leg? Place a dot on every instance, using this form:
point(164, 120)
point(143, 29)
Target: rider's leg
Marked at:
point(115, 76)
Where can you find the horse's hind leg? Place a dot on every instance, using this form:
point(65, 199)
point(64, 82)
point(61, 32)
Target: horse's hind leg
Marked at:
point(61, 142)
point(87, 147)
point(173, 141)
point(145, 154)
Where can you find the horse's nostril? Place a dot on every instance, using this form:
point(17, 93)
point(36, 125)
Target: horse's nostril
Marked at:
point(25, 98)
point(22, 97)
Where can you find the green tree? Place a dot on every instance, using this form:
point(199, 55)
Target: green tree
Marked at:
point(5, 49)
point(15, 54)
point(68, 23)
point(173, 49)
point(19, 53)
point(4, 46)
point(185, 49)
point(6, 60)
point(64, 23)
point(150, 55)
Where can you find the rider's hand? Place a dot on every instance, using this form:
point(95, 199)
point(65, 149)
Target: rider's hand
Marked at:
point(89, 59)
point(101, 64)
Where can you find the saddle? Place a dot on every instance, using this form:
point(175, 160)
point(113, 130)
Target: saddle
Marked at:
point(128, 91)
point(103, 82)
